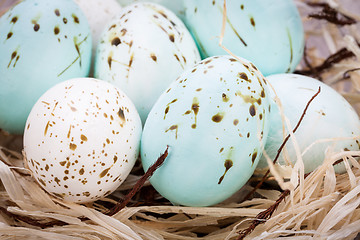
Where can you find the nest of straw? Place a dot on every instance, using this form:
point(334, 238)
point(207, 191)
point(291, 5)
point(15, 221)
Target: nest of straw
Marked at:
point(321, 205)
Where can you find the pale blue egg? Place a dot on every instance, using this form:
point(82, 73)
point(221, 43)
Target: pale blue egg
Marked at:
point(142, 50)
point(330, 122)
point(268, 33)
point(213, 118)
point(41, 43)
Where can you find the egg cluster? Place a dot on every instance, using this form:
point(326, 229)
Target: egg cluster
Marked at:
point(94, 85)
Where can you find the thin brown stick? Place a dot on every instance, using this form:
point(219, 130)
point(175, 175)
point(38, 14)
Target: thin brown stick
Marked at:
point(331, 15)
point(346, 73)
point(283, 145)
point(139, 184)
point(337, 57)
point(263, 216)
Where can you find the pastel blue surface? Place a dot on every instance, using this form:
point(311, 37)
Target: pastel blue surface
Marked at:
point(268, 33)
point(329, 116)
point(41, 43)
point(212, 118)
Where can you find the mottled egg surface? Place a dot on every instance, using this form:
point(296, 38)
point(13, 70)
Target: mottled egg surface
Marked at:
point(82, 139)
point(268, 33)
point(212, 118)
point(176, 6)
point(329, 116)
point(142, 51)
point(98, 14)
point(41, 43)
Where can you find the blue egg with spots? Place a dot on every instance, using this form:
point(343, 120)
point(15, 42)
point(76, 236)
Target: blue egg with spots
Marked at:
point(213, 118)
point(268, 33)
point(41, 43)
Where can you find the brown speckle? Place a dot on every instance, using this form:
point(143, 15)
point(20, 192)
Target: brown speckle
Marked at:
point(121, 114)
point(225, 98)
point(252, 21)
point(218, 117)
point(46, 128)
point(236, 122)
point(103, 173)
point(76, 19)
point(172, 37)
point(57, 180)
point(9, 35)
point(252, 110)
point(244, 76)
point(116, 41)
point(57, 12)
point(14, 20)
point(262, 94)
point(81, 171)
point(56, 30)
point(153, 56)
point(72, 146)
point(253, 157)
point(86, 194)
point(228, 164)
point(83, 138)
point(109, 61)
point(253, 66)
point(173, 127)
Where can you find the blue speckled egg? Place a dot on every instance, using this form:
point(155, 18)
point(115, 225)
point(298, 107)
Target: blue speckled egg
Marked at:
point(142, 51)
point(330, 122)
point(268, 33)
point(41, 43)
point(212, 118)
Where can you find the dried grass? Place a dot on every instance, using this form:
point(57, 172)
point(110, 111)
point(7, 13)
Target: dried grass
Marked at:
point(322, 205)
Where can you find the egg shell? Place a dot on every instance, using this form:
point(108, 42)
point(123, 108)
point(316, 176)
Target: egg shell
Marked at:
point(176, 6)
point(328, 116)
point(212, 118)
point(41, 43)
point(144, 49)
point(82, 139)
point(98, 14)
point(268, 33)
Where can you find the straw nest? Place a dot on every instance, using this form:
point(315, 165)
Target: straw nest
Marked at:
point(321, 205)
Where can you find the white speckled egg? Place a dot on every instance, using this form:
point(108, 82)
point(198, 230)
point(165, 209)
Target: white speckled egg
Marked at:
point(212, 117)
point(268, 33)
point(82, 139)
point(143, 50)
point(329, 116)
point(41, 43)
point(98, 14)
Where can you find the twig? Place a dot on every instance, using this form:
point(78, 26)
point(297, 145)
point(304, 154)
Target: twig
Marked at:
point(283, 145)
point(337, 57)
point(139, 184)
point(263, 216)
point(331, 15)
point(346, 73)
